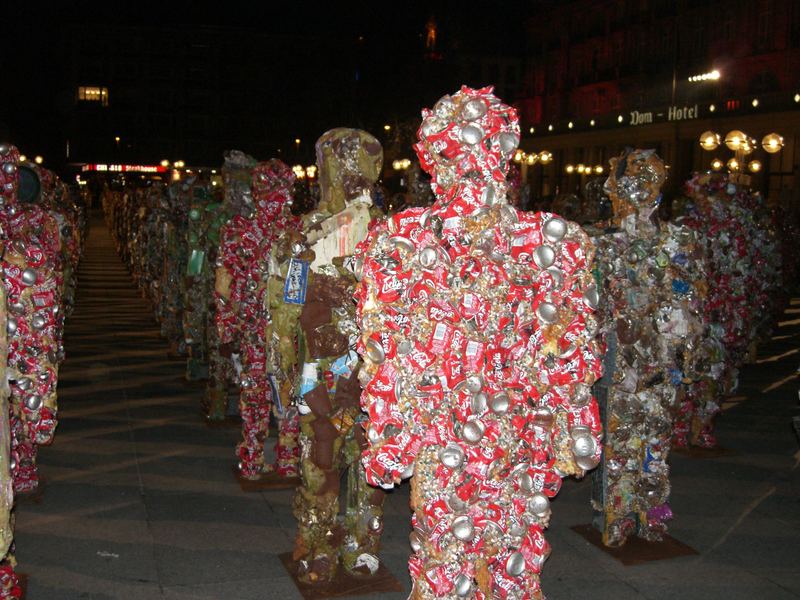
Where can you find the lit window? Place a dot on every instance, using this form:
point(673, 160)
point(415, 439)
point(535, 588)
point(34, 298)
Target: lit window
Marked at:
point(93, 94)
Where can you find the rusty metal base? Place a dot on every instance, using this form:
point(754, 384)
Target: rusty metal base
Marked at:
point(344, 584)
point(268, 481)
point(637, 551)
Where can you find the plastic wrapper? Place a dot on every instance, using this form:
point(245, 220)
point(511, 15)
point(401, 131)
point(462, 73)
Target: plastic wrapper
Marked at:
point(653, 280)
point(332, 438)
point(477, 333)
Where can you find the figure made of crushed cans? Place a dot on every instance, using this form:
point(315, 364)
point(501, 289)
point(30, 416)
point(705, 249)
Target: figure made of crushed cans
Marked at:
point(478, 337)
point(332, 438)
point(744, 274)
point(30, 264)
point(202, 241)
point(174, 254)
point(32, 277)
point(653, 325)
point(223, 355)
point(244, 255)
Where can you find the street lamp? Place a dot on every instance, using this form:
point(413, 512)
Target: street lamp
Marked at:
point(38, 160)
point(735, 140)
point(772, 143)
point(742, 145)
point(710, 140)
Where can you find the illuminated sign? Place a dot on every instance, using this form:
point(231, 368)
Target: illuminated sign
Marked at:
point(673, 113)
point(102, 168)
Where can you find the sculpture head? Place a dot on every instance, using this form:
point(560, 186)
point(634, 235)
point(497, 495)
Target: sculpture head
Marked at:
point(469, 136)
point(634, 183)
point(349, 162)
point(237, 174)
point(273, 181)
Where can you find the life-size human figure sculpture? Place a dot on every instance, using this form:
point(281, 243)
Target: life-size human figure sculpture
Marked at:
point(245, 254)
point(477, 336)
point(653, 326)
point(32, 275)
point(332, 438)
point(222, 339)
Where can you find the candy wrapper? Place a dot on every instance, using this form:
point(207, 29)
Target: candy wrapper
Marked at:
point(652, 276)
point(332, 438)
point(477, 333)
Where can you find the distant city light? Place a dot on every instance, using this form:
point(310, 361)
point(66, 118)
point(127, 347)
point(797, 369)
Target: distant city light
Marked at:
point(754, 102)
point(570, 125)
point(711, 75)
point(38, 160)
point(591, 122)
point(620, 119)
point(165, 163)
point(532, 130)
point(22, 158)
point(387, 127)
point(711, 108)
point(549, 128)
point(797, 97)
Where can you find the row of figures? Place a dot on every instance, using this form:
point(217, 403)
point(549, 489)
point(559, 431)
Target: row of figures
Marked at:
point(41, 233)
point(483, 352)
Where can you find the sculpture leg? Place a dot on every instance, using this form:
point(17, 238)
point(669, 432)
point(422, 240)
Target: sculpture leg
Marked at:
point(287, 449)
point(254, 406)
point(363, 518)
point(316, 502)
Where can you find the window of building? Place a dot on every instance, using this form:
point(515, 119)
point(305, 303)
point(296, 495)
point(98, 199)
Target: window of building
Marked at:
point(93, 94)
point(765, 24)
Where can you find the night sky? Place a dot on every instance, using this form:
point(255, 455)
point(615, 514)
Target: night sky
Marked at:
point(384, 42)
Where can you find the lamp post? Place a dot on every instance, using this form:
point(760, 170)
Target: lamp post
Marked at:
point(742, 145)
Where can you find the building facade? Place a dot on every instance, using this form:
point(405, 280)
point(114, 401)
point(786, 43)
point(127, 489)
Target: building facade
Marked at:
point(601, 75)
